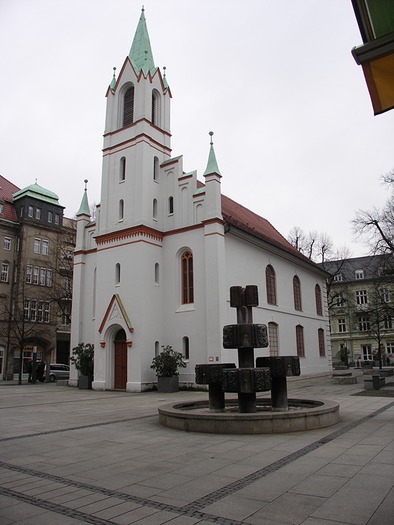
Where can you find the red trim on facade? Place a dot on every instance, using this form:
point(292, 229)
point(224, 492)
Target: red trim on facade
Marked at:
point(143, 231)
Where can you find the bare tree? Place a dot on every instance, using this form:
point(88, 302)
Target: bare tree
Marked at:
point(316, 246)
point(376, 227)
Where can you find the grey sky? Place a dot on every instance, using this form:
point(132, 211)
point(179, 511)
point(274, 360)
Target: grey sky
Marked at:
point(295, 136)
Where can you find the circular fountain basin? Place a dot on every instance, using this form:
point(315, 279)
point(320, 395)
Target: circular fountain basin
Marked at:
point(303, 414)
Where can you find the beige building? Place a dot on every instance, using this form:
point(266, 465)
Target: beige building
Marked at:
point(361, 306)
point(36, 257)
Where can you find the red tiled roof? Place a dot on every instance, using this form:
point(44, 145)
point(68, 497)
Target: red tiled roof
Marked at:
point(7, 189)
point(245, 219)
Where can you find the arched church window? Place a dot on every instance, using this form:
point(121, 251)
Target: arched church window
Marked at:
point(157, 274)
point(297, 293)
point(319, 308)
point(270, 281)
point(117, 274)
point(300, 341)
point(170, 205)
point(187, 278)
point(156, 169)
point(185, 348)
point(121, 209)
point(155, 108)
point(122, 174)
point(154, 211)
point(128, 107)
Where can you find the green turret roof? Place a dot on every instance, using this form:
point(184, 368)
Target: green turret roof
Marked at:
point(37, 192)
point(141, 53)
point(212, 166)
point(84, 207)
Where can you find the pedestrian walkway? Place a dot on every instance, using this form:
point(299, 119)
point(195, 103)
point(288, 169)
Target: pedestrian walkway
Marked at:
point(69, 456)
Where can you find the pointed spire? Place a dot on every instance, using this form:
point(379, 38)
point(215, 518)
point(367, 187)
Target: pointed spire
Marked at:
point(113, 81)
point(165, 83)
point(84, 208)
point(212, 166)
point(141, 53)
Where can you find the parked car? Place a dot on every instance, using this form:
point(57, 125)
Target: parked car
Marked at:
point(58, 371)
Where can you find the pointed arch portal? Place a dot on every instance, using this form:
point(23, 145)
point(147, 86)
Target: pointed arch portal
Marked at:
point(120, 360)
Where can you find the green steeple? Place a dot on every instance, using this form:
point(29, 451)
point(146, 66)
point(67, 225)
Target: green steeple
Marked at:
point(84, 208)
point(212, 166)
point(141, 53)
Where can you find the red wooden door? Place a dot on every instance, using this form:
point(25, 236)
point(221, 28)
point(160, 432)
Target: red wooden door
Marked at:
point(120, 365)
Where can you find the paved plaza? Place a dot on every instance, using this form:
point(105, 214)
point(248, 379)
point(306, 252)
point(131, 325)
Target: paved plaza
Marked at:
point(69, 456)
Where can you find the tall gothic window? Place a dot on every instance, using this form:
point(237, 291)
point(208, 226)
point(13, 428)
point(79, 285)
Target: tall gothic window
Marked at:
point(273, 339)
point(270, 280)
point(155, 108)
point(128, 107)
point(322, 348)
point(300, 341)
point(187, 278)
point(297, 293)
point(122, 174)
point(319, 308)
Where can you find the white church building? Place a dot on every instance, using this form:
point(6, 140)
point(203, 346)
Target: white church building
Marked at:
point(155, 266)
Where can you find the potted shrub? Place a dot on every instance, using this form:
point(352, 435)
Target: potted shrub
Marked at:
point(82, 358)
point(166, 366)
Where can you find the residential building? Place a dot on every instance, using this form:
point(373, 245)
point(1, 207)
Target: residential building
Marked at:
point(155, 266)
point(361, 306)
point(36, 250)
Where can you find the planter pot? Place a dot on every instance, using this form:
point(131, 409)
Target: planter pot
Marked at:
point(85, 382)
point(168, 384)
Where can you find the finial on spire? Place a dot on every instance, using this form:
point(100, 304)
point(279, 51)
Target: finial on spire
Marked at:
point(86, 184)
point(211, 135)
point(114, 68)
point(164, 70)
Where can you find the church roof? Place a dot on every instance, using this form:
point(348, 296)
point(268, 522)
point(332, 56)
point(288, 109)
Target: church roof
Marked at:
point(37, 192)
point(246, 220)
point(141, 55)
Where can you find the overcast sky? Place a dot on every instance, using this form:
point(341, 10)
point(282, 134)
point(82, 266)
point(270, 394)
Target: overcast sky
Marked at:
point(295, 136)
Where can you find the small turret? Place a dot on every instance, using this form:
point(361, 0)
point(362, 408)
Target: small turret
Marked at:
point(212, 176)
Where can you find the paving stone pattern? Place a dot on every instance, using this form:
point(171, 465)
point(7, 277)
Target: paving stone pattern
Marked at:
point(69, 456)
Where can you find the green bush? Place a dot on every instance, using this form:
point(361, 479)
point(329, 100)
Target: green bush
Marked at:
point(82, 358)
point(166, 364)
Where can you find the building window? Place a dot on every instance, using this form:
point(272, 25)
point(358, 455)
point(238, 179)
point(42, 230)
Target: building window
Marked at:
point(187, 278)
point(42, 276)
point(387, 323)
point(7, 243)
point(121, 209)
point(122, 175)
point(322, 348)
point(38, 214)
point(366, 352)
point(156, 169)
point(37, 245)
point(297, 293)
point(46, 312)
point(319, 307)
point(157, 348)
point(359, 274)
point(340, 300)
point(49, 278)
point(45, 247)
point(67, 284)
point(66, 314)
point(5, 270)
point(361, 297)
point(36, 273)
point(57, 219)
point(29, 274)
point(185, 348)
point(338, 278)
point(33, 310)
point(26, 309)
point(300, 341)
point(50, 216)
point(155, 108)
point(170, 205)
point(157, 274)
point(341, 325)
point(117, 274)
point(390, 348)
point(30, 212)
point(273, 339)
point(363, 324)
point(154, 209)
point(384, 295)
point(270, 281)
point(128, 107)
